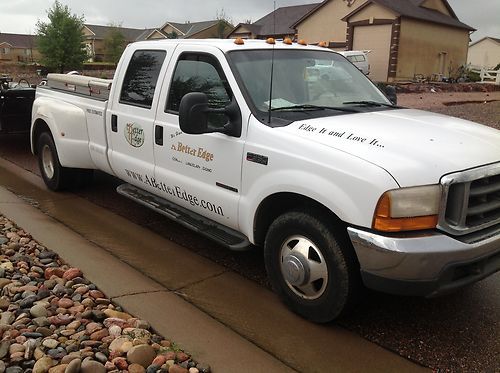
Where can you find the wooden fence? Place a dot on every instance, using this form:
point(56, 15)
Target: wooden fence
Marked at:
point(488, 76)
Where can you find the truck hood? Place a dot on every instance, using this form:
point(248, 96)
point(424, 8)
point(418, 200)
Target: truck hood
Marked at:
point(416, 147)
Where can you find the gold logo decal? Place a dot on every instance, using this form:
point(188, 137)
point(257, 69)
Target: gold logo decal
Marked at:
point(134, 134)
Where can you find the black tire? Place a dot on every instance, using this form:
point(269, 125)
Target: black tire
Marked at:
point(55, 176)
point(326, 298)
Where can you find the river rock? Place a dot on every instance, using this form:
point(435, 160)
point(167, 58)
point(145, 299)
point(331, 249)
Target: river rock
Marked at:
point(65, 303)
point(118, 343)
point(115, 331)
point(28, 301)
point(7, 318)
point(4, 348)
point(43, 365)
point(72, 273)
point(141, 354)
point(136, 368)
point(120, 363)
point(50, 343)
point(58, 369)
point(177, 369)
point(92, 366)
point(119, 315)
point(4, 282)
point(4, 303)
point(73, 366)
point(38, 310)
point(14, 369)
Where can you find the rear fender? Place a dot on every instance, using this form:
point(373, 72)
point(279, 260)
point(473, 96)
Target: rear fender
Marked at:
point(68, 125)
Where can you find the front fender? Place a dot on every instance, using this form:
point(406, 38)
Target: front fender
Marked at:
point(350, 197)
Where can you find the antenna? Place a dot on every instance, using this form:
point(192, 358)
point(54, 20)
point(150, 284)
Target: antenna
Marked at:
point(272, 68)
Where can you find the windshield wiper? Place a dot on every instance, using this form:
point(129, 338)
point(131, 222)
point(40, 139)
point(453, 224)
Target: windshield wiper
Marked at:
point(369, 103)
point(313, 107)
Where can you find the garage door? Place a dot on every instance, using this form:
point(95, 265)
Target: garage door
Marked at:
point(376, 38)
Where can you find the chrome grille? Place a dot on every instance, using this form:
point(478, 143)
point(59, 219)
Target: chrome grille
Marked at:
point(471, 199)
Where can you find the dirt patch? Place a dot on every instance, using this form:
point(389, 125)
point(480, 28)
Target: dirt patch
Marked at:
point(456, 103)
point(445, 87)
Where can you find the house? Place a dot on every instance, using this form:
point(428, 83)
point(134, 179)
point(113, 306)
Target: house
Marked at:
point(406, 38)
point(324, 23)
point(18, 48)
point(218, 29)
point(484, 53)
point(409, 38)
point(95, 34)
point(277, 24)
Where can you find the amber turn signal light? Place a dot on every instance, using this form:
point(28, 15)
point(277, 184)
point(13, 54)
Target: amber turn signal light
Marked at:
point(382, 220)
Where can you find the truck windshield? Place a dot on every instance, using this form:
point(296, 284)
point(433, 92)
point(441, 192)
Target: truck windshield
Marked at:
point(305, 81)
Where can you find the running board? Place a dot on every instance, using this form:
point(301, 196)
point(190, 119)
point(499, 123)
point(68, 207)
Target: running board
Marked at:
point(204, 226)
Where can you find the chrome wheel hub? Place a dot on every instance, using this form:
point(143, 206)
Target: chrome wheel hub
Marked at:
point(295, 269)
point(47, 162)
point(303, 267)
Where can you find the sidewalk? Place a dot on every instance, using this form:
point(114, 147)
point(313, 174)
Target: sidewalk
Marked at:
point(225, 320)
point(169, 315)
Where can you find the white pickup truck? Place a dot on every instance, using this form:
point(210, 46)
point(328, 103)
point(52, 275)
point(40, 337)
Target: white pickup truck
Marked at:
point(340, 187)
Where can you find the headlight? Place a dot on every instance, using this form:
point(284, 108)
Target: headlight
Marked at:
point(408, 209)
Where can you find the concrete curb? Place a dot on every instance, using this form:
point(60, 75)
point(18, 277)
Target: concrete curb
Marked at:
point(171, 316)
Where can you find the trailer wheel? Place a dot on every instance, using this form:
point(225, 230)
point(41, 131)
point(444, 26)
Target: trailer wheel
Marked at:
point(310, 267)
point(55, 176)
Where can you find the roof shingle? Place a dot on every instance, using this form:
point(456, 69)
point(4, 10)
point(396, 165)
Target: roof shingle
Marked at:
point(413, 9)
point(281, 21)
point(18, 40)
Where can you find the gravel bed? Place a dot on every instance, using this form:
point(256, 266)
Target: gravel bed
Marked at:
point(484, 113)
point(54, 320)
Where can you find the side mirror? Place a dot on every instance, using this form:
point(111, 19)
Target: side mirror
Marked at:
point(193, 113)
point(193, 116)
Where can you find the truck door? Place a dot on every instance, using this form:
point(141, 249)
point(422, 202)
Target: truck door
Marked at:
point(199, 172)
point(131, 116)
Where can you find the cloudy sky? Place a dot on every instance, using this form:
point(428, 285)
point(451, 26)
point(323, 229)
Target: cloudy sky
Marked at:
point(20, 16)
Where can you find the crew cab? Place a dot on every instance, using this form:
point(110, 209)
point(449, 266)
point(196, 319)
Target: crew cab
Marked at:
point(234, 139)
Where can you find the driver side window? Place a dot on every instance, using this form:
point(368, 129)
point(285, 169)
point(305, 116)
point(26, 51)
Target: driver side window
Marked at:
point(199, 73)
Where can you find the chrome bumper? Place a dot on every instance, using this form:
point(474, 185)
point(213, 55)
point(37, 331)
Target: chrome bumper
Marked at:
point(425, 264)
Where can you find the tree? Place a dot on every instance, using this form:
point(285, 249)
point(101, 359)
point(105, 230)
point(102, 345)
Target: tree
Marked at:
point(61, 41)
point(223, 25)
point(114, 44)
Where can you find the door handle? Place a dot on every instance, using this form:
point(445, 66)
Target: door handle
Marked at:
point(159, 135)
point(114, 123)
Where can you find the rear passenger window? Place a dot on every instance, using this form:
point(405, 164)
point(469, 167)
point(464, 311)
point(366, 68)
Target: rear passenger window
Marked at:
point(141, 78)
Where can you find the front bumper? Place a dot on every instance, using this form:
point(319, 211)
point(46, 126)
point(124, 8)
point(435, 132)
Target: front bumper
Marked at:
point(426, 264)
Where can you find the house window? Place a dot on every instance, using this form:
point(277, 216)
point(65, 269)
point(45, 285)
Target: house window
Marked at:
point(27, 52)
point(5, 50)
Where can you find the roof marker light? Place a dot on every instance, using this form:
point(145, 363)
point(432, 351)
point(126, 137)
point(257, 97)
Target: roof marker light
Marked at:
point(302, 42)
point(323, 44)
point(239, 41)
point(287, 41)
point(271, 41)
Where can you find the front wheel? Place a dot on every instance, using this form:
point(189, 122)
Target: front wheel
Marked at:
point(310, 266)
